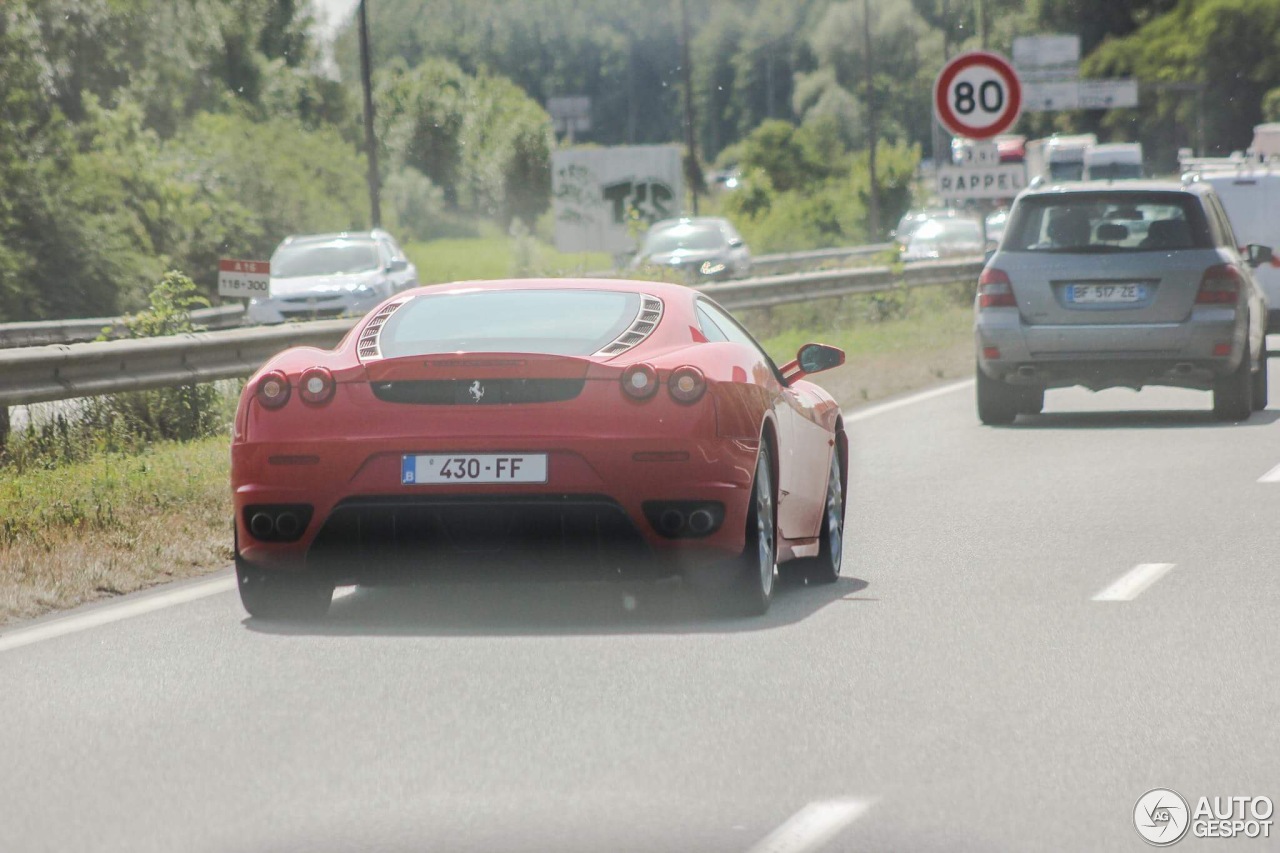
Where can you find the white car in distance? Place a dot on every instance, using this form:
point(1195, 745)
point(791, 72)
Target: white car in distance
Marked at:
point(320, 276)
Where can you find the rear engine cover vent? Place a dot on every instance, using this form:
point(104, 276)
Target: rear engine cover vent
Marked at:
point(367, 348)
point(646, 321)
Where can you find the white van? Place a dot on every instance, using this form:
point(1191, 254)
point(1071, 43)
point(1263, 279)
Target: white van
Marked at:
point(1251, 195)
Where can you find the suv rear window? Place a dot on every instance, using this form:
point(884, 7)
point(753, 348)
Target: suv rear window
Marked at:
point(1092, 223)
point(549, 322)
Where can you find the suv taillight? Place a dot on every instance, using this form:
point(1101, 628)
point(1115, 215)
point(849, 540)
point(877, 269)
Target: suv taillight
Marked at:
point(995, 290)
point(1220, 285)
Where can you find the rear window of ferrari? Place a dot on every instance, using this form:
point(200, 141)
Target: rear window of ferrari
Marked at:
point(550, 322)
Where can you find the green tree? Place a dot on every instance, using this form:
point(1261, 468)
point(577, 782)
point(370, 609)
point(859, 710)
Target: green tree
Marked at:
point(1230, 47)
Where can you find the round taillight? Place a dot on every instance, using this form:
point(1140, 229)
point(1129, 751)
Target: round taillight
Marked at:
point(640, 381)
point(687, 384)
point(316, 386)
point(273, 389)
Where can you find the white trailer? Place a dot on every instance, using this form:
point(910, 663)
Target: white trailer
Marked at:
point(1058, 158)
point(1115, 161)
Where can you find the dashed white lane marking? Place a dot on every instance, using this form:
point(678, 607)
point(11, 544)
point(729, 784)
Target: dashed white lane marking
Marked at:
point(1132, 584)
point(813, 826)
point(909, 400)
point(146, 603)
point(1272, 476)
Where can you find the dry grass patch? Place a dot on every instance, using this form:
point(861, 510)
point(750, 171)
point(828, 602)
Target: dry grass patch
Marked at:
point(112, 525)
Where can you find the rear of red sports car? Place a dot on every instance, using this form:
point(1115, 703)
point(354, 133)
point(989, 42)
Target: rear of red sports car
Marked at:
point(499, 427)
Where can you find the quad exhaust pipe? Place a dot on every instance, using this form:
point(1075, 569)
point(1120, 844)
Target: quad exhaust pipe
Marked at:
point(685, 519)
point(279, 523)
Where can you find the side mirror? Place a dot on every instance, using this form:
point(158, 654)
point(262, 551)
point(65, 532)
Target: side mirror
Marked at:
point(813, 358)
point(735, 244)
point(1259, 255)
point(398, 265)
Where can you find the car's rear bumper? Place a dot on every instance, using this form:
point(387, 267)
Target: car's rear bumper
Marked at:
point(593, 504)
point(1189, 354)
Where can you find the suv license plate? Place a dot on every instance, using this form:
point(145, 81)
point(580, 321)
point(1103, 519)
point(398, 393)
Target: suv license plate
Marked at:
point(453, 468)
point(1094, 293)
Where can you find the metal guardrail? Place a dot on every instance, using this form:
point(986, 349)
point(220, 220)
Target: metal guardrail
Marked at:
point(47, 373)
point(66, 371)
point(795, 261)
point(44, 332)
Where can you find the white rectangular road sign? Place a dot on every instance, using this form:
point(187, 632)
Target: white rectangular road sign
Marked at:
point(1079, 95)
point(1036, 51)
point(1043, 97)
point(1108, 94)
point(959, 182)
point(243, 279)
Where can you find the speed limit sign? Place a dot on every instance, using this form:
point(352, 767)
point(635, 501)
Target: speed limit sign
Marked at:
point(977, 95)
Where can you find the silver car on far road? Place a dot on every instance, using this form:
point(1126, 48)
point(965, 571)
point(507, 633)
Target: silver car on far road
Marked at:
point(1109, 286)
point(332, 275)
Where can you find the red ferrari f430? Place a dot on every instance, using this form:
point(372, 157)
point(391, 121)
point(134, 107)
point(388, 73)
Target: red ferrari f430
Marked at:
point(536, 428)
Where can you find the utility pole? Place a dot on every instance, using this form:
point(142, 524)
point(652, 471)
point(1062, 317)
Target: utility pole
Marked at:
point(872, 134)
point(370, 143)
point(689, 140)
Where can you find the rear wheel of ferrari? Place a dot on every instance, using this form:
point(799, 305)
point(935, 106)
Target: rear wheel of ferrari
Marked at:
point(281, 595)
point(825, 568)
point(753, 586)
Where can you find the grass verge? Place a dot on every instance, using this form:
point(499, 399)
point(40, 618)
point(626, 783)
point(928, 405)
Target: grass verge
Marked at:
point(112, 524)
point(80, 529)
point(440, 261)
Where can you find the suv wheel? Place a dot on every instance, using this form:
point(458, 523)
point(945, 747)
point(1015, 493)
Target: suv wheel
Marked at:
point(998, 403)
point(1260, 384)
point(1233, 393)
point(1032, 402)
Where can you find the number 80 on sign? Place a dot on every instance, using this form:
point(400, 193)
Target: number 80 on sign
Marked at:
point(977, 95)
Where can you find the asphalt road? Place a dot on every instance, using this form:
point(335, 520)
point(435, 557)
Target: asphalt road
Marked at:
point(960, 690)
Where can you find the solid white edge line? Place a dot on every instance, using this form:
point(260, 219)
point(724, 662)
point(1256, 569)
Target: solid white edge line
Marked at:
point(145, 603)
point(813, 826)
point(1134, 582)
point(1272, 476)
point(912, 399)
point(149, 603)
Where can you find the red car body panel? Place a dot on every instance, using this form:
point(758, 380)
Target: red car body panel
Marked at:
point(602, 442)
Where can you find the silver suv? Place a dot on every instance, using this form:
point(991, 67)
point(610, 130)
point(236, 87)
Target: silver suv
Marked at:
point(332, 275)
point(1107, 286)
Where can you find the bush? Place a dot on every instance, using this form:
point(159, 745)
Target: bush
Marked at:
point(181, 413)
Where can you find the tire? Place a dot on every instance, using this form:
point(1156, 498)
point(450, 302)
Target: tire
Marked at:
point(1031, 402)
point(281, 595)
point(997, 402)
point(757, 568)
point(1260, 385)
point(825, 568)
point(1233, 394)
